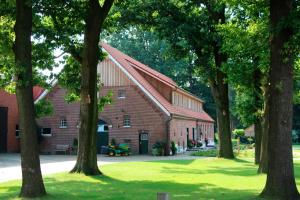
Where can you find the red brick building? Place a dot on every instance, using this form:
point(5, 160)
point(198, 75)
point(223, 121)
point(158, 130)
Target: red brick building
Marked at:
point(9, 120)
point(147, 107)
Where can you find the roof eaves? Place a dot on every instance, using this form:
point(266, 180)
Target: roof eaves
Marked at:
point(45, 92)
point(138, 83)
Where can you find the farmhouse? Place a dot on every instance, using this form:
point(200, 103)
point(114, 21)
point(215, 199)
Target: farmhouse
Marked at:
point(9, 120)
point(147, 107)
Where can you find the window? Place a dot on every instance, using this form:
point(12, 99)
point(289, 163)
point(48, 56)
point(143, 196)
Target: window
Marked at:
point(17, 131)
point(122, 94)
point(46, 132)
point(126, 121)
point(63, 123)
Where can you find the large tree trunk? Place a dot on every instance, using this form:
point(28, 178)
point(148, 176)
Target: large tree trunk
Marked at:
point(219, 89)
point(220, 94)
point(280, 177)
point(263, 164)
point(257, 81)
point(87, 156)
point(258, 136)
point(32, 181)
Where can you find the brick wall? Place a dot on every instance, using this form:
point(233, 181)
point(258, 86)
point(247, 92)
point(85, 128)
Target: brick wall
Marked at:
point(180, 128)
point(144, 115)
point(61, 110)
point(10, 101)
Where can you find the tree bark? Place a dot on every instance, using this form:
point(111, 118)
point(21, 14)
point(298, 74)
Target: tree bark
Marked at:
point(257, 81)
point(87, 154)
point(258, 136)
point(263, 164)
point(220, 94)
point(280, 182)
point(219, 88)
point(32, 181)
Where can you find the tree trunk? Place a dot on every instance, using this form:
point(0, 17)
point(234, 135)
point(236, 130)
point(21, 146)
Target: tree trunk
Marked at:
point(219, 89)
point(257, 82)
point(280, 182)
point(258, 136)
point(263, 164)
point(32, 181)
point(87, 156)
point(220, 94)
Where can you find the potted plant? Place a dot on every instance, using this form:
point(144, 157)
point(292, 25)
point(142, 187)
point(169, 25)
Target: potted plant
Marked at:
point(173, 148)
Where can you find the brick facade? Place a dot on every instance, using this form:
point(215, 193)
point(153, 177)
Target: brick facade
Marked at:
point(10, 101)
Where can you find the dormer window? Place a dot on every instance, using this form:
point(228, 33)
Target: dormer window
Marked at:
point(63, 123)
point(121, 94)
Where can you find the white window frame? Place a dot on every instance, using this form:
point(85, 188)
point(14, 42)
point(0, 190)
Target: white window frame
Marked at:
point(121, 94)
point(17, 130)
point(126, 121)
point(63, 123)
point(46, 135)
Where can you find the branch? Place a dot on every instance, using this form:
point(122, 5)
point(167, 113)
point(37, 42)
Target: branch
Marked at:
point(74, 53)
point(104, 10)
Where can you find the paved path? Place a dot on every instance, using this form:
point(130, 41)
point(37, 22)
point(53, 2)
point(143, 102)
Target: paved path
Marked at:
point(10, 164)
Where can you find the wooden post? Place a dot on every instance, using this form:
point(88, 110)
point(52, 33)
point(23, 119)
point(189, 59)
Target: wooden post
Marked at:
point(162, 196)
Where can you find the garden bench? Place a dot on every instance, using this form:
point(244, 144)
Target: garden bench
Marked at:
point(62, 148)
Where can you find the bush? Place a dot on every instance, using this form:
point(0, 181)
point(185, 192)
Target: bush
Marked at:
point(75, 142)
point(207, 153)
point(238, 132)
point(158, 149)
point(173, 148)
point(199, 144)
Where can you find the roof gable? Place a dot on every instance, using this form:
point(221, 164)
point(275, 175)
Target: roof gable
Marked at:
point(132, 68)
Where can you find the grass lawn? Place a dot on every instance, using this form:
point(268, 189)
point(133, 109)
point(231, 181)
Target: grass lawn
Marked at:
point(209, 178)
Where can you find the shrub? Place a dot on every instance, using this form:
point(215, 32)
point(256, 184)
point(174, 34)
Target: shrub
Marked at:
point(238, 132)
point(158, 149)
point(199, 144)
point(173, 148)
point(75, 142)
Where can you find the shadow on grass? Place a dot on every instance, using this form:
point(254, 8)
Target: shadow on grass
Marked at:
point(105, 187)
point(176, 162)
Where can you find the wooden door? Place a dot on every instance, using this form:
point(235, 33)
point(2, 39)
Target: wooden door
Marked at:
point(143, 141)
point(3, 129)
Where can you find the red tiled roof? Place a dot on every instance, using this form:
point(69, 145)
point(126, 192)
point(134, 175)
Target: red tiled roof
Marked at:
point(37, 91)
point(133, 67)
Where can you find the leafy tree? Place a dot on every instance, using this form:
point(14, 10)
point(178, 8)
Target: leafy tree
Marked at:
point(280, 182)
point(32, 182)
point(245, 42)
point(185, 25)
point(64, 23)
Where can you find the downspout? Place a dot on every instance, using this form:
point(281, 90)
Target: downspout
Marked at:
point(168, 129)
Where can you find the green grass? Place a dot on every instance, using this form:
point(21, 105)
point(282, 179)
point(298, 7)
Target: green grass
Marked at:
point(186, 179)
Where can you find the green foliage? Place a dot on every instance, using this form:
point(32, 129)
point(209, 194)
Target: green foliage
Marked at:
point(295, 136)
point(173, 148)
point(238, 132)
point(158, 149)
point(43, 108)
point(105, 100)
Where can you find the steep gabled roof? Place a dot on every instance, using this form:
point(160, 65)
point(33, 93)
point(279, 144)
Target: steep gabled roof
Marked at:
point(132, 68)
